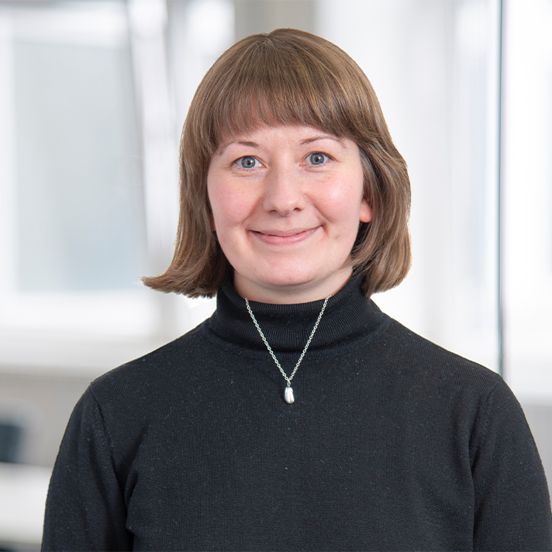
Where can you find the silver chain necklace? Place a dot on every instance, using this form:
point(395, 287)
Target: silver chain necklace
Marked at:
point(288, 393)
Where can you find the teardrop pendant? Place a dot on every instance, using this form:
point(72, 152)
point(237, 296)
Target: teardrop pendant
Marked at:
point(288, 395)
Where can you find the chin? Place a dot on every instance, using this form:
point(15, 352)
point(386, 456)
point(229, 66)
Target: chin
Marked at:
point(285, 279)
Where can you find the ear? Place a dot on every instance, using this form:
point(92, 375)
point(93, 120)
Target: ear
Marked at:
point(365, 211)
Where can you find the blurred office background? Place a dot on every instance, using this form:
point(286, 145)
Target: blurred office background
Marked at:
point(93, 95)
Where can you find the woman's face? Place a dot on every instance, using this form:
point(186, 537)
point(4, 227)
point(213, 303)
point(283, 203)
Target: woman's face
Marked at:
point(286, 204)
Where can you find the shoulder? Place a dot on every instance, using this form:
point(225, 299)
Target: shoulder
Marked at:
point(463, 397)
point(152, 376)
point(432, 383)
point(414, 356)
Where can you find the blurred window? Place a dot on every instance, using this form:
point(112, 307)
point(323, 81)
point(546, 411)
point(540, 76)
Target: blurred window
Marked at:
point(76, 213)
point(528, 198)
point(72, 217)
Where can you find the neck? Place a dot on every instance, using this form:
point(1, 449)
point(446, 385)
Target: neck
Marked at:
point(349, 316)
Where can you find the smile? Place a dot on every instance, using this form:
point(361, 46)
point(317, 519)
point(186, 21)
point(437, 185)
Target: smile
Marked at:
point(287, 237)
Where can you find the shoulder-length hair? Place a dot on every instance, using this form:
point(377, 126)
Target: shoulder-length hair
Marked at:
point(288, 77)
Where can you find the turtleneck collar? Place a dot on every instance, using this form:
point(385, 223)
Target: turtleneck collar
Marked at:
point(350, 318)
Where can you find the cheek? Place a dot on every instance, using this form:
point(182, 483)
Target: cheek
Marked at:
point(228, 208)
point(219, 199)
point(345, 204)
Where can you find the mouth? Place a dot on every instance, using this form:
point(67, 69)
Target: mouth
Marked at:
point(285, 237)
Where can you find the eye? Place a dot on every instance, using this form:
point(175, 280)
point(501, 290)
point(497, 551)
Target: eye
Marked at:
point(317, 158)
point(247, 162)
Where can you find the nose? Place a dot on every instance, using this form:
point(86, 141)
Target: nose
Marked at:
point(283, 192)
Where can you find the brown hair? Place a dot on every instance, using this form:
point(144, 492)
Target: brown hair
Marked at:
point(288, 77)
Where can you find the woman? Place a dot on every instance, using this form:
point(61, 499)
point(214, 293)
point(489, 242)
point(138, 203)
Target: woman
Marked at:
point(298, 417)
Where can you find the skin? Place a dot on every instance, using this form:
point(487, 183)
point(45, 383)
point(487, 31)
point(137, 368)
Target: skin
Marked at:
point(286, 205)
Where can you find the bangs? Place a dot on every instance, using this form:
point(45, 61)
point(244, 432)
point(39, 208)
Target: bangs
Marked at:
point(272, 83)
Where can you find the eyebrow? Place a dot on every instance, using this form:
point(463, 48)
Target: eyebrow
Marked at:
point(248, 144)
point(323, 137)
point(303, 142)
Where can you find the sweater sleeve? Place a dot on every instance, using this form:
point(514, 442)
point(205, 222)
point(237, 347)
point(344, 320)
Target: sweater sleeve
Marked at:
point(85, 508)
point(512, 504)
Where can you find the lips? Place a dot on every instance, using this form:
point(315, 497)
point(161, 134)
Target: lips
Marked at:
point(284, 233)
point(285, 237)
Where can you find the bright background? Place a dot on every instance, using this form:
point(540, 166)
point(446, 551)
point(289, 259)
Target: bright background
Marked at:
point(93, 95)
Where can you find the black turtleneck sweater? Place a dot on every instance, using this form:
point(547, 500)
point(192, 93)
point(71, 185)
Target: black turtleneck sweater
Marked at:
point(392, 444)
